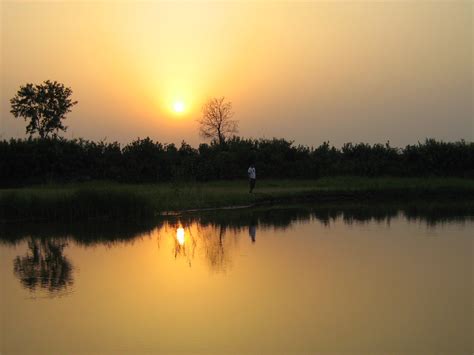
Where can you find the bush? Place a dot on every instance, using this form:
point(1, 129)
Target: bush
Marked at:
point(30, 161)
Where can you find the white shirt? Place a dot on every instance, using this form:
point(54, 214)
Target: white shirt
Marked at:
point(252, 173)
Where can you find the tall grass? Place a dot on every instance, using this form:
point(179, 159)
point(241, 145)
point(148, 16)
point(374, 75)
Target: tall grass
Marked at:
point(112, 200)
point(81, 203)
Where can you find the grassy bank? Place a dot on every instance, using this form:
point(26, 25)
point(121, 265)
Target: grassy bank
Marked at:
point(112, 200)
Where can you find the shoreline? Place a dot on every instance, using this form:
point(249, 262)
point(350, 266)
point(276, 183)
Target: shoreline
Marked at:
point(336, 198)
point(102, 200)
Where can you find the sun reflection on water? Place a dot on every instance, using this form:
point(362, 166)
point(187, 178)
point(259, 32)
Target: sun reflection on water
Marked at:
point(180, 235)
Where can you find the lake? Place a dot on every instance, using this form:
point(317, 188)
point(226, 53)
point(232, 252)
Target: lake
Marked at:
point(282, 280)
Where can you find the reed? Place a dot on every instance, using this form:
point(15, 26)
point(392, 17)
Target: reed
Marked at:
point(110, 200)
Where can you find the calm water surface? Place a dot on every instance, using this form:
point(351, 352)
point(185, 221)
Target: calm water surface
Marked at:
point(279, 281)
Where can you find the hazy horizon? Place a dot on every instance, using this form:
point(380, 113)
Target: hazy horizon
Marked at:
point(309, 72)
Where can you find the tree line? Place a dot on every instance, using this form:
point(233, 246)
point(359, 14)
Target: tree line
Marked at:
point(50, 158)
point(43, 160)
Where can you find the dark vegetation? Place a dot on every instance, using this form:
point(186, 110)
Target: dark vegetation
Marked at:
point(114, 201)
point(39, 161)
point(46, 267)
point(53, 159)
point(124, 180)
point(276, 217)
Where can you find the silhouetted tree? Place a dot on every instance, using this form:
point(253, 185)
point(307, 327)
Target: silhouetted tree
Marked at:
point(44, 105)
point(32, 161)
point(216, 121)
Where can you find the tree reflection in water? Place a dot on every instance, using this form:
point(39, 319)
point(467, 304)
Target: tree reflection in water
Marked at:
point(212, 242)
point(212, 236)
point(44, 266)
point(217, 248)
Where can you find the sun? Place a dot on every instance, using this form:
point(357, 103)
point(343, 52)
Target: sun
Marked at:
point(178, 106)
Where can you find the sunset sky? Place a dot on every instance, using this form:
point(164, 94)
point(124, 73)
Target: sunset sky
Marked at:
point(354, 71)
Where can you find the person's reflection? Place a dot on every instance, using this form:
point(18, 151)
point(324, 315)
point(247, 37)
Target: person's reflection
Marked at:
point(252, 232)
point(44, 266)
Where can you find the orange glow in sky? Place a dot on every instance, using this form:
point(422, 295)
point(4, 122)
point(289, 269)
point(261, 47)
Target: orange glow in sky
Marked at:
point(305, 71)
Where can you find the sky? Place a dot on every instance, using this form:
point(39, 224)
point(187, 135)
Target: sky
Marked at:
point(337, 71)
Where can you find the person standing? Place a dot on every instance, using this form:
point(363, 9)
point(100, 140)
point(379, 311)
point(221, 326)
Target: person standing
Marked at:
point(252, 177)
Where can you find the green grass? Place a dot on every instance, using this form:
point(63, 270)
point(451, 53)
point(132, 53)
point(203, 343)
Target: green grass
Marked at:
point(113, 200)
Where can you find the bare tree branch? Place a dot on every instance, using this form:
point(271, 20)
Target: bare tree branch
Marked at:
point(216, 121)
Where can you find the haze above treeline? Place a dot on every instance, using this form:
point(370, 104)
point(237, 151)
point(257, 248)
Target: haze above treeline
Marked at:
point(308, 72)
